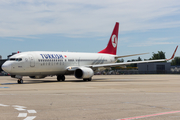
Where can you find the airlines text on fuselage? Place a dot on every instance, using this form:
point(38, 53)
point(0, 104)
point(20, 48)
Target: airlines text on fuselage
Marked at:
point(51, 56)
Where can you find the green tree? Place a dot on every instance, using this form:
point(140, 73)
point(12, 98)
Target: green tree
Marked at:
point(120, 60)
point(159, 55)
point(175, 61)
point(133, 60)
point(139, 59)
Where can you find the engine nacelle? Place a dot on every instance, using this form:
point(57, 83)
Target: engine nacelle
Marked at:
point(37, 77)
point(83, 73)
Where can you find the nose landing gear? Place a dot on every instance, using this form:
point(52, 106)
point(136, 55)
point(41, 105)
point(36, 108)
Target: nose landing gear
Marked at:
point(20, 81)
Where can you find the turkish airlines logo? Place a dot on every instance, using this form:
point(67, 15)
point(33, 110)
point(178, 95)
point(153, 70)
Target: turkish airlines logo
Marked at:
point(114, 41)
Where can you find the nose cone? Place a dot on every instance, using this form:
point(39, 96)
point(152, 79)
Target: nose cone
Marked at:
point(6, 67)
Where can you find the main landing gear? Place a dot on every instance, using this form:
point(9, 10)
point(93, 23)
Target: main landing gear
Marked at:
point(20, 81)
point(87, 79)
point(60, 78)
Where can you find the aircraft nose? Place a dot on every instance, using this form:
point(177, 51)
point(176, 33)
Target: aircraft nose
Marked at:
point(6, 67)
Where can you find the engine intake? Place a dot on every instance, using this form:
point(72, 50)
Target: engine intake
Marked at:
point(83, 73)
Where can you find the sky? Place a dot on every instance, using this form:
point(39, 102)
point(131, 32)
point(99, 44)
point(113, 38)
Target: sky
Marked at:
point(86, 25)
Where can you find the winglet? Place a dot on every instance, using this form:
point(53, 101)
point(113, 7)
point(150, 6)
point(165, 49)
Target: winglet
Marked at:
point(173, 54)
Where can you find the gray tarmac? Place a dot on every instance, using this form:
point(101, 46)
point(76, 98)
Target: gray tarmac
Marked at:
point(106, 97)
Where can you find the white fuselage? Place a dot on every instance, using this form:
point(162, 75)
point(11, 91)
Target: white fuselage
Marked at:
point(52, 63)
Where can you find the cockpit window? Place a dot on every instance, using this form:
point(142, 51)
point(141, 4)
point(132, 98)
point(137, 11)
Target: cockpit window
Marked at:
point(12, 59)
point(15, 59)
point(18, 59)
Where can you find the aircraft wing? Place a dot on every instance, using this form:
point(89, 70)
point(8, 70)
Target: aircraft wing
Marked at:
point(73, 68)
point(124, 63)
point(127, 63)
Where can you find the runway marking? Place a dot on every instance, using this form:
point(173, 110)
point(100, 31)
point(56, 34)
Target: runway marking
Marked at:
point(7, 83)
point(31, 111)
point(152, 115)
point(3, 105)
point(22, 115)
point(30, 118)
point(4, 87)
point(19, 108)
point(22, 108)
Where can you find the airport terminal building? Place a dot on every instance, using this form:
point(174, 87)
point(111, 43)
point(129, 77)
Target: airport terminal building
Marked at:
point(148, 68)
point(1, 62)
point(154, 68)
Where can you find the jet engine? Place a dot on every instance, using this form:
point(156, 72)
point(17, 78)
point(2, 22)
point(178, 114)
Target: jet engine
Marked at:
point(83, 73)
point(37, 77)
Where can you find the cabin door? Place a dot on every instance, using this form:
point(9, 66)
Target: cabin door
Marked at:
point(32, 61)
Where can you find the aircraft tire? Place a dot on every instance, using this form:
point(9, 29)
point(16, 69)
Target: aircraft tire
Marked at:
point(20, 81)
point(89, 79)
point(84, 79)
point(63, 78)
point(60, 78)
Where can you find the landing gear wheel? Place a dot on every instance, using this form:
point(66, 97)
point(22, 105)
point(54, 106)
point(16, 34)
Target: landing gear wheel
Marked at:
point(60, 78)
point(20, 81)
point(87, 79)
point(63, 78)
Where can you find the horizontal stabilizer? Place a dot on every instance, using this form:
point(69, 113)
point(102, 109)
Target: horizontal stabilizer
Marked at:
point(130, 55)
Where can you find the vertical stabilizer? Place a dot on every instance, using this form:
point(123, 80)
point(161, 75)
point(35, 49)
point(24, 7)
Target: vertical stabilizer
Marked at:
point(113, 42)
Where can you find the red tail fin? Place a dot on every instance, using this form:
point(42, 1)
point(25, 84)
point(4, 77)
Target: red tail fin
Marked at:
point(113, 42)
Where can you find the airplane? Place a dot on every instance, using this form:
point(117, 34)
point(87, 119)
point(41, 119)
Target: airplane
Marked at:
point(40, 64)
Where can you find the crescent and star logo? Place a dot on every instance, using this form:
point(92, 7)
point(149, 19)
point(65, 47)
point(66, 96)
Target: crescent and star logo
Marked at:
point(114, 41)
